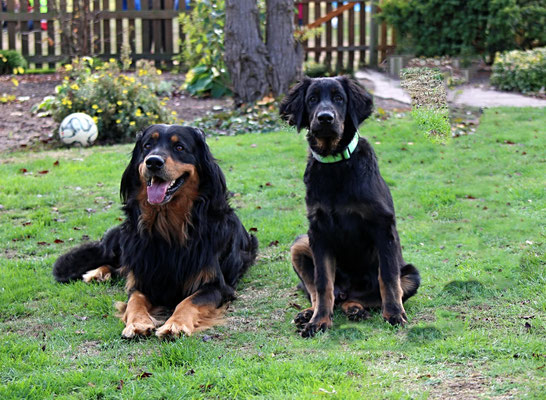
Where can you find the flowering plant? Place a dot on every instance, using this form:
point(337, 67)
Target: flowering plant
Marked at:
point(120, 104)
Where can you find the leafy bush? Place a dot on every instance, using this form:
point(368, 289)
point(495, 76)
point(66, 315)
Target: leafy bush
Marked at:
point(439, 27)
point(204, 48)
point(522, 71)
point(120, 104)
point(11, 62)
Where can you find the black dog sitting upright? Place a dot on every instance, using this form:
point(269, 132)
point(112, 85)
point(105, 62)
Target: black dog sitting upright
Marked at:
point(351, 255)
point(180, 247)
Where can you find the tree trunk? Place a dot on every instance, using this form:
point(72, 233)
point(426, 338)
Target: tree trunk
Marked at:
point(244, 51)
point(285, 54)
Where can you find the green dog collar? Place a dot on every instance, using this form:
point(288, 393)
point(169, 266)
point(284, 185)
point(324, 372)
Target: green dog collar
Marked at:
point(344, 155)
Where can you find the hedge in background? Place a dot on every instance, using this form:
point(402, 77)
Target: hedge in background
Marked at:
point(11, 62)
point(522, 71)
point(451, 27)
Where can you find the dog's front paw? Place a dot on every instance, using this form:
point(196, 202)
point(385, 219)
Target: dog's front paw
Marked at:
point(316, 325)
point(172, 329)
point(398, 319)
point(303, 317)
point(137, 329)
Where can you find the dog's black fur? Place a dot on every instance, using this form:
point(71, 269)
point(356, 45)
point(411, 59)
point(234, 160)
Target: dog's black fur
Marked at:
point(352, 254)
point(174, 243)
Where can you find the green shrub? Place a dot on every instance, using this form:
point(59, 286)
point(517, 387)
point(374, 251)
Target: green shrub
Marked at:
point(522, 71)
point(120, 104)
point(439, 27)
point(11, 62)
point(203, 49)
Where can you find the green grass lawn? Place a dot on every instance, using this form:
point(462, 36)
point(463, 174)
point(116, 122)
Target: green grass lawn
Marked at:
point(470, 217)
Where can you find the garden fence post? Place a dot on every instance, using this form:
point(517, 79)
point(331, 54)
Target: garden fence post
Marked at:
point(374, 34)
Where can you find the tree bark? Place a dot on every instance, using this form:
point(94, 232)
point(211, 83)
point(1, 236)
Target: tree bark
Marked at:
point(245, 53)
point(285, 53)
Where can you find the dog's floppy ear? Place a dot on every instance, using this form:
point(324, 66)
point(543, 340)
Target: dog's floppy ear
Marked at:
point(292, 107)
point(359, 103)
point(130, 181)
point(211, 177)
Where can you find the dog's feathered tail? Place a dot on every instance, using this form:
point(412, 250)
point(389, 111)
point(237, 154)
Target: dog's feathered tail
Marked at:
point(72, 265)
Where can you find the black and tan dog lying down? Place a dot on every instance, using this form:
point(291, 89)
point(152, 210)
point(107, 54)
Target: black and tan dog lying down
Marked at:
point(351, 255)
point(181, 246)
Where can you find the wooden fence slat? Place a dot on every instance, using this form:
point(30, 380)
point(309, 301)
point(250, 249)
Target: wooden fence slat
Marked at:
point(119, 28)
point(328, 58)
point(25, 31)
point(362, 27)
point(37, 31)
point(305, 20)
point(11, 25)
point(339, 42)
point(106, 35)
point(351, 58)
point(146, 29)
point(169, 45)
point(50, 33)
point(96, 27)
point(318, 38)
point(131, 7)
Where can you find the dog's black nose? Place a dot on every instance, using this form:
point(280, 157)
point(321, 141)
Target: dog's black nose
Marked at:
point(325, 117)
point(154, 163)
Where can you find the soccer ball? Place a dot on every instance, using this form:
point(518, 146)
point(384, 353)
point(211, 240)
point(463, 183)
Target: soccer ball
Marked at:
point(78, 128)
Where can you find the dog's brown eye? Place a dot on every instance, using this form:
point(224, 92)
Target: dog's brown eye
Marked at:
point(178, 147)
point(313, 99)
point(148, 146)
point(338, 98)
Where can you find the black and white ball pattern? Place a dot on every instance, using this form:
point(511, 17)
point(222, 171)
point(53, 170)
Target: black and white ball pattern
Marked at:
point(78, 128)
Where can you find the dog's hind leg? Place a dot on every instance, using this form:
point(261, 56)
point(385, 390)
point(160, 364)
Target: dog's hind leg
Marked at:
point(355, 310)
point(91, 261)
point(302, 261)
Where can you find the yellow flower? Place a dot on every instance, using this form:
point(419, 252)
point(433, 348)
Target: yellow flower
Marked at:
point(119, 102)
point(173, 112)
point(95, 119)
point(94, 107)
point(112, 60)
point(15, 82)
point(132, 123)
point(138, 113)
point(118, 121)
point(158, 72)
point(74, 86)
point(68, 67)
point(99, 110)
point(125, 91)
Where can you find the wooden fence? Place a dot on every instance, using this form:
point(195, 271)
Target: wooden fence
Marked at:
point(56, 30)
point(48, 32)
point(349, 40)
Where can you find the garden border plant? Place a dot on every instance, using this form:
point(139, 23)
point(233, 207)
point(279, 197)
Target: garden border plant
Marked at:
point(121, 104)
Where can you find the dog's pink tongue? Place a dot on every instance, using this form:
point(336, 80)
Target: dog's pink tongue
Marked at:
point(156, 192)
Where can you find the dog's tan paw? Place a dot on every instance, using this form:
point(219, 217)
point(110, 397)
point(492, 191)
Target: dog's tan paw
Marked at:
point(137, 329)
point(99, 274)
point(173, 329)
